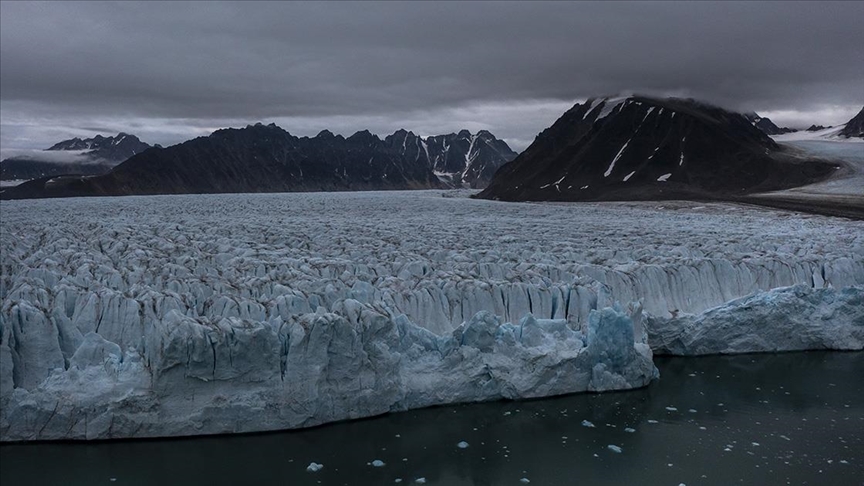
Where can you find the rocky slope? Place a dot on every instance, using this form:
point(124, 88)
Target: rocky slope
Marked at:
point(466, 159)
point(766, 125)
point(173, 315)
point(855, 126)
point(266, 158)
point(637, 148)
point(92, 156)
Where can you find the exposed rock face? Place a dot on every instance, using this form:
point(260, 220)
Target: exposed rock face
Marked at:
point(643, 148)
point(97, 156)
point(265, 158)
point(816, 128)
point(172, 315)
point(458, 159)
point(766, 125)
point(466, 159)
point(855, 126)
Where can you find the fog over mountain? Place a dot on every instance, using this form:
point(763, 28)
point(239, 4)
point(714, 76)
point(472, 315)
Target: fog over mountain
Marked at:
point(184, 70)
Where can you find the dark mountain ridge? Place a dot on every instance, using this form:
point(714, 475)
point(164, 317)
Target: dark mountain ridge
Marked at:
point(266, 158)
point(639, 147)
point(766, 125)
point(855, 126)
point(99, 155)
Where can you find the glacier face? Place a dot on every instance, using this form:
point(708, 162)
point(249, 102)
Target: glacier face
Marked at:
point(200, 376)
point(794, 318)
point(174, 315)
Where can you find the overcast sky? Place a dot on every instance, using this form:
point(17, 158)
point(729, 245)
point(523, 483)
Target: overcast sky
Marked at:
point(171, 71)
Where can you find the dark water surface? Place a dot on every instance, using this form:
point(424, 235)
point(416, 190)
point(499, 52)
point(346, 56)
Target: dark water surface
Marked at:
point(757, 419)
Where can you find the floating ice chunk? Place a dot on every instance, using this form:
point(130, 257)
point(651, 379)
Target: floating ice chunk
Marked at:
point(462, 445)
point(672, 409)
point(314, 467)
point(420, 480)
point(652, 421)
point(586, 423)
point(378, 463)
point(614, 448)
point(629, 430)
point(525, 480)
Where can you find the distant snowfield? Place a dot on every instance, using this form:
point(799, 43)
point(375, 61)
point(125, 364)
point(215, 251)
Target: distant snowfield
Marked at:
point(848, 183)
point(184, 315)
point(831, 134)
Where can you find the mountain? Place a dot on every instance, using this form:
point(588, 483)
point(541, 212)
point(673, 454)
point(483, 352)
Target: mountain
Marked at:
point(644, 148)
point(855, 126)
point(766, 125)
point(88, 156)
point(463, 158)
point(817, 128)
point(266, 158)
point(117, 148)
point(457, 159)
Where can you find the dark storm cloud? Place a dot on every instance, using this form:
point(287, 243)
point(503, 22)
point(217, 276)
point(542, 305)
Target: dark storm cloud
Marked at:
point(195, 65)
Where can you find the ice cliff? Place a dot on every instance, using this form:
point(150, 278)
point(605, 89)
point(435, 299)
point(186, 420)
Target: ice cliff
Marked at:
point(178, 315)
point(786, 319)
point(201, 376)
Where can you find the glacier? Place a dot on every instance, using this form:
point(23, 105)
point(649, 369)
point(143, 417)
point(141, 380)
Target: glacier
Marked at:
point(184, 315)
point(794, 318)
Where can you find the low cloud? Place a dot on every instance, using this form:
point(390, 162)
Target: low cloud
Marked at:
point(180, 70)
point(56, 156)
point(827, 116)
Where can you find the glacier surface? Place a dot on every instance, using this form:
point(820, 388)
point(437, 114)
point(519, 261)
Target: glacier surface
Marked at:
point(182, 315)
